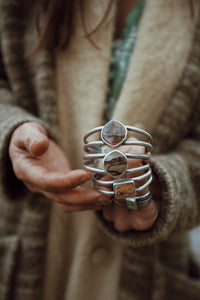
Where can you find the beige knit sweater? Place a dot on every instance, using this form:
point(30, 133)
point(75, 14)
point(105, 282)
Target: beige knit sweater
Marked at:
point(155, 68)
point(156, 263)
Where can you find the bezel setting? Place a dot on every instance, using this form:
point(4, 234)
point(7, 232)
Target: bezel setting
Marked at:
point(124, 188)
point(112, 160)
point(114, 126)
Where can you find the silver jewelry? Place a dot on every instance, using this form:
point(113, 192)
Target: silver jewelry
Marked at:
point(114, 134)
point(106, 183)
point(135, 204)
point(115, 163)
point(104, 159)
point(126, 189)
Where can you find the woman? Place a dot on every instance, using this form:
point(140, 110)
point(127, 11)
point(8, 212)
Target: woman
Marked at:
point(139, 255)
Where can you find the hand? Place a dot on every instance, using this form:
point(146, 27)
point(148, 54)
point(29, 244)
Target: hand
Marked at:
point(141, 219)
point(124, 219)
point(41, 165)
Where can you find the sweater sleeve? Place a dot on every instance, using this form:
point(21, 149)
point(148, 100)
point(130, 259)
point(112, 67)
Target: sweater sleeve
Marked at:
point(12, 114)
point(178, 173)
point(11, 117)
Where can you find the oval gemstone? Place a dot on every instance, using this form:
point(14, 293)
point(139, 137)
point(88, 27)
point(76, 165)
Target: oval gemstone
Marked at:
point(115, 163)
point(113, 133)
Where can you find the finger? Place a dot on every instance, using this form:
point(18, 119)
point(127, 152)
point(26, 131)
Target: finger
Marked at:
point(108, 212)
point(140, 220)
point(77, 196)
point(121, 218)
point(39, 179)
point(65, 207)
point(31, 137)
point(144, 218)
point(80, 196)
point(134, 148)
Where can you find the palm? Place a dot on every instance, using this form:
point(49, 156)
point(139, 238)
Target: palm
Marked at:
point(49, 167)
point(42, 166)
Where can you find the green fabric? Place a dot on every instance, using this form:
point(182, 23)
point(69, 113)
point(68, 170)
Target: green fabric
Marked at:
point(121, 53)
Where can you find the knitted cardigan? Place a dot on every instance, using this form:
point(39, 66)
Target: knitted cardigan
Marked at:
point(156, 263)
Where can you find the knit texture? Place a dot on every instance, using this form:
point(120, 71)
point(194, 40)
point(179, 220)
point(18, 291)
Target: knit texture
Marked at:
point(27, 93)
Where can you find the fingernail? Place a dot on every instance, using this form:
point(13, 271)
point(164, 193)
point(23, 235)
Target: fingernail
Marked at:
point(33, 142)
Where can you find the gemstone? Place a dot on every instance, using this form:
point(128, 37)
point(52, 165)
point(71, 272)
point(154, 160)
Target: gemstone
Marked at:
point(124, 188)
point(131, 203)
point(113, 133)
point(115, 163)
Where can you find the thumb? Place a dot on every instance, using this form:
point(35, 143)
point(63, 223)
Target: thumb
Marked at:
point(31, 137)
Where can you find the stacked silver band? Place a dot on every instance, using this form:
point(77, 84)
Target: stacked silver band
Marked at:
point(103, 159)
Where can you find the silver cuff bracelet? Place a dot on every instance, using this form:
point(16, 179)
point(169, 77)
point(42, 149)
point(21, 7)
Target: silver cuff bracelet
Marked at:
point(102, 158)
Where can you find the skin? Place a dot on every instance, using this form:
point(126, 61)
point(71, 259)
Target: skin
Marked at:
point(40, 163)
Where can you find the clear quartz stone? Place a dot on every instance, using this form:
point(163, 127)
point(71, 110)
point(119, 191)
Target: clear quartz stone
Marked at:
point(113, 133)
point(115, 163)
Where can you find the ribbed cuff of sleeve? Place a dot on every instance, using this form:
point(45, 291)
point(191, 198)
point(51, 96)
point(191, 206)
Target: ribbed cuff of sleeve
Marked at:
point(177, 204)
